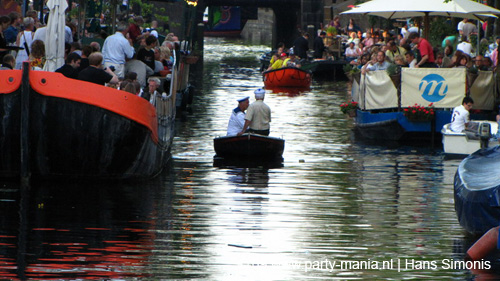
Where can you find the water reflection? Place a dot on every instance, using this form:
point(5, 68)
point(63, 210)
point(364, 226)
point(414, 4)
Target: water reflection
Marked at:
point(65, 230)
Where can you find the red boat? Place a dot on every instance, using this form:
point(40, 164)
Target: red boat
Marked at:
point(57, 127)
point(287, 77)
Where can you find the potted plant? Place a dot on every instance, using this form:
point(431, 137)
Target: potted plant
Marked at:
point(394, 71)
point(419, 113)
point(349, 108)
point(351, 71)
point(331, 31)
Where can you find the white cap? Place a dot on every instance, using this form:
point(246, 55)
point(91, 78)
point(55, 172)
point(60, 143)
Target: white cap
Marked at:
point(259, 93)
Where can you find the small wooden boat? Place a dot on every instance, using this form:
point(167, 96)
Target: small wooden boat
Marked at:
point(287, 77)
point(478, 133)
point(476, 191)
point(249, 146)
point(56, 127)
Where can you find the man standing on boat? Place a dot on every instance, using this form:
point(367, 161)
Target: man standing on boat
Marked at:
point(258, 116)
point(116, 49)
point(460, 117)
point(237, 119)
point(425, 49)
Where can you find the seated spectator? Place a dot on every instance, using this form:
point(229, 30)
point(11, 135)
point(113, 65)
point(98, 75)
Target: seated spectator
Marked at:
point(368, 42)
point(410, 59)
point(448, 54)
point(393, 50)
point(37, 55)
point(143, 71)
point(128, 87)
point(462, 61)
point(153, 86)
point(361, 61)
point(380, 64)
point(70, 68)
point(400, 61)
point(279, 63)
point(84, 62)
point(147, 54)
point(351, 52)
point(487, 65)
point(95, 73)
point(292, 61)
point(353, 38)
point(8, 62)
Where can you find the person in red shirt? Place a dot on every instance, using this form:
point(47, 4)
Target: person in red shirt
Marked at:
point(425, 49)
point(134, 30)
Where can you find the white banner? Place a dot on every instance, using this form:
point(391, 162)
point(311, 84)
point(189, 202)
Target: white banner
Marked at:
point(444, 87)
point(379, 91)
point(483, 91)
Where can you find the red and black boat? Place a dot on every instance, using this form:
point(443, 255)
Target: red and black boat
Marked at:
point(287, 77)
point(249, 147)
point(56, 127)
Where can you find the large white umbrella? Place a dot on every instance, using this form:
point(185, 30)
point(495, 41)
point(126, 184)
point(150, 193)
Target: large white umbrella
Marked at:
point(54, 41)
point(390, 9)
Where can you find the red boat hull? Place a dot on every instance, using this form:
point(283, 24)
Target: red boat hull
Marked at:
point(287, 77)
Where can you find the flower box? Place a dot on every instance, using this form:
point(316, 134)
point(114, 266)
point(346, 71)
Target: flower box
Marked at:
point(418, 113)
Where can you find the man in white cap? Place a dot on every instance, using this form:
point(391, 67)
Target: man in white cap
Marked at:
point(237, 119)
point(258, 115)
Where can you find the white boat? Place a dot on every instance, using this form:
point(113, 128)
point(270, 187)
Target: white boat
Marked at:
point(469, 141)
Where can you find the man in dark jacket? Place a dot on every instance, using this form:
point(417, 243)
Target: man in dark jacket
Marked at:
point(319, 46)
point(71, 67)
point(301, 45)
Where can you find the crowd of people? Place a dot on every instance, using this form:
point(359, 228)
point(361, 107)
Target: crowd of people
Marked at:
point(126, 60)
point(409, 49)
point(376, 49)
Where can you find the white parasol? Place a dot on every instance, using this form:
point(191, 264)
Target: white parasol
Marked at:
point(391, 9)
point(54, 40)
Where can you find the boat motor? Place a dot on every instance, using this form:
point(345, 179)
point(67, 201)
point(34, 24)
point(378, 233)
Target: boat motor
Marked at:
point(484, 134)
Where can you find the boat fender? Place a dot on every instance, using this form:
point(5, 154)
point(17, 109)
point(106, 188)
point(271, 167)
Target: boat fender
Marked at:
point(483, 246)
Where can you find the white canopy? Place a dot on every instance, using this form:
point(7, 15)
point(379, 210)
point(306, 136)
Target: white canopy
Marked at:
point(391, 9)
point(54, 42)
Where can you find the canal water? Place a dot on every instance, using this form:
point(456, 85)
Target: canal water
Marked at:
point(336, 209)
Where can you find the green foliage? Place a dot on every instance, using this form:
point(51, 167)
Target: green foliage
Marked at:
point(439, 29)
point(350, 69)
point(331, 30)
point(147, 9)
point(393, 69)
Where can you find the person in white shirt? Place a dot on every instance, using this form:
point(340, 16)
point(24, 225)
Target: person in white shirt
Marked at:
point(116, 49)
point(237, 119)
point(460, 116)
point(465, 46)
point(381, 64)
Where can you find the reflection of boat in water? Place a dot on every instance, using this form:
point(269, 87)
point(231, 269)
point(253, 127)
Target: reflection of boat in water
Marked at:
point(477, 134)
point(477, 189)
point(248, 147)
point(76, 129)
point(287, 77)
point(288, 91)
point(383, 99)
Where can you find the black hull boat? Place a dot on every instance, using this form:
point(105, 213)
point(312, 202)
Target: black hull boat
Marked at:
point(56, 127)
point(477, 191)
point(249, 147)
